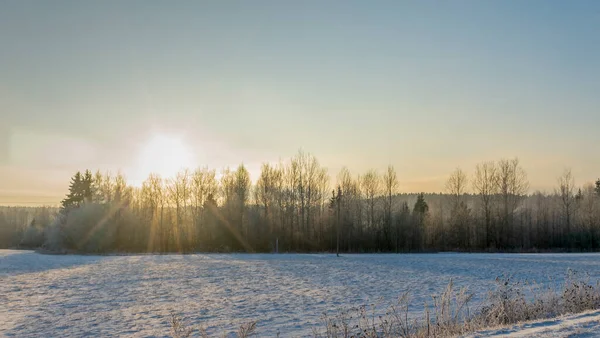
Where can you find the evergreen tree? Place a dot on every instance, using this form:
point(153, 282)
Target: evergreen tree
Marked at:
point(402, 227)
point(598, 187)
point(579, 195)
point(75, 196)
point(87, 184)
point(420, 210)
point(334, 203)
point(80, 190)
point(421, 206)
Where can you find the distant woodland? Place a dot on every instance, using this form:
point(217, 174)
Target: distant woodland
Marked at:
point(296, 207)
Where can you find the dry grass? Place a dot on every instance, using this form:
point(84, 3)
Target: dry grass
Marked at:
point(180, 330)
point(449, 313)
point(514, 302)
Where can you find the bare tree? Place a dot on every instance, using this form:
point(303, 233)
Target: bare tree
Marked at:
point(227, 191)
point(456, 187)
point(566, 192)
point(198, 197)
point(152, 195)
point(390, 186)
point(371, 186)
point(107, 187)
point(590, 213)
point(242, 191)
point(313, 171)
point(301, 163)
point(323, 196)
point(203, 185)
point(185, 180)
point(178, 192)
point(307, 169)
point(348, 192)
point(235, 191)
point(98, 184)
point(512, 188)
point(486, 186)
point(292, 182)
point(121, 198)
point(266, 194)
point(338, 202)
point(280, 201)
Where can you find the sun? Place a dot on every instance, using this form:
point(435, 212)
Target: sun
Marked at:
point(164, 155)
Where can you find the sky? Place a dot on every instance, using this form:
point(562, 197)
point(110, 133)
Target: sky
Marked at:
point(426, 86)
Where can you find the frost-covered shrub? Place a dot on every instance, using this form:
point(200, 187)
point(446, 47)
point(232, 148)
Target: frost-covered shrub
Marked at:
point(90, 228)
point(447, 315)
point(506, 303)
point(511, 303)
point(54, 236)
point(33, 237)
point(579, 294)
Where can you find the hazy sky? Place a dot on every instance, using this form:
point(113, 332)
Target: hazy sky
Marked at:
point(426, 86)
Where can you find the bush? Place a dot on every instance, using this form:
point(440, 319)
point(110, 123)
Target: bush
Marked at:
point(54, 236)
point(89, 228)
point(33, 237)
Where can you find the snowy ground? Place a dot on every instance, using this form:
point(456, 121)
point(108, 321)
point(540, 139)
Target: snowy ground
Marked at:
point(75, 296)
point(579, 325)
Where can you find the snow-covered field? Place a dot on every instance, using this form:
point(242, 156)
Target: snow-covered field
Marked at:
point(101, 296)
point(578, 325)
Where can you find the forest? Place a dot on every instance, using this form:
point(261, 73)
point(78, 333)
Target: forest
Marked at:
point(295, 206)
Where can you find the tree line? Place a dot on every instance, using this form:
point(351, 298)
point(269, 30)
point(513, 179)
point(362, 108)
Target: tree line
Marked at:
point(296, 207)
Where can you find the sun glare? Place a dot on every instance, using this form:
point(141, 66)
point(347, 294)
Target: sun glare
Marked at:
point(164, 155)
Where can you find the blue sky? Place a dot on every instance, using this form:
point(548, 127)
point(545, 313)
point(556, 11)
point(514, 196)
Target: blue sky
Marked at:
point(426, 86)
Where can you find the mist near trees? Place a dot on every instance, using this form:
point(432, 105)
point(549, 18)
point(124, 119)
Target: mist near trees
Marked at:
point(295, 206)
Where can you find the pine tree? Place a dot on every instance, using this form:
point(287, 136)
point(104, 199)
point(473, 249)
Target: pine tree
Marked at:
point(87, 186)
point(579, 195)
point(335, 203)
point(419, 211)
point(598, 187)
point(332, 201)
point(75, 196)
point(421, 206)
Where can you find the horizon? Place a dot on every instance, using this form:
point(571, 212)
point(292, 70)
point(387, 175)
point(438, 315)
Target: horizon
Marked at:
point(427, 87)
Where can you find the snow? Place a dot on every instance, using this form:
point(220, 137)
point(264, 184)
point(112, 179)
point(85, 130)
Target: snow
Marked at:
point(102, 296)
point(578, 325)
